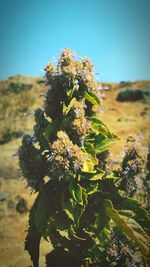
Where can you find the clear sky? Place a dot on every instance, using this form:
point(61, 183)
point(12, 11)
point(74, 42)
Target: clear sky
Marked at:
point(114, 34)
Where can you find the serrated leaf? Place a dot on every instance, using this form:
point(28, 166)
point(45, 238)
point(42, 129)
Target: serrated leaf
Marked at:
point(103, 145)
point(126, 227)
point(100, 128)
point(42, 210)
point(92, 98)
point(140, 233)
point(41, 214)
point(32, 241)
point(103, 137)
point(140, 214)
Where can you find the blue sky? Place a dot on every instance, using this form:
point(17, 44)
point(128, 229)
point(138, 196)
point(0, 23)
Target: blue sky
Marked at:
point(114, 34)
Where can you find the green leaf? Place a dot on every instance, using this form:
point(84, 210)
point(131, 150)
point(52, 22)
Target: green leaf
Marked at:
point(68, 206)
point(72, 233)
point(32, 241)
point(103, 137)
point(41, 215)
point(127, 228)
point(71, 207)
point(43, 209)
point(60, 221)
point(99, 127)
point(79, 209)
point(56, 236)
point(88, 166)
point(98, 175)
point(50, 129)
point(85, 198)
point(89, 162)
point(92, 98)
point(46, 206)
point(140, 233)
point(76, 191)
point(66, 109)
point(89, 148)
point(103, 145)
point(71, 91)
point(140, 214)
point(92, 188)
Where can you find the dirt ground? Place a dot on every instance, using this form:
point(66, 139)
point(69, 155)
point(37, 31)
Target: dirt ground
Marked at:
point(123, 118)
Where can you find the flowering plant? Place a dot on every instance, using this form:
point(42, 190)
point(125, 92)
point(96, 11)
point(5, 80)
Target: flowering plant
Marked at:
point(79, 203)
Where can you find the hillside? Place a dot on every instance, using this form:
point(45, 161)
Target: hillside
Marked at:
point(19, 97)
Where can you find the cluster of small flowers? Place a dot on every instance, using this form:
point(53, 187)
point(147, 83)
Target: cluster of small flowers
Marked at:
point(66, 157)
point(78, 124)
point(120, 251)
point(32, 163)
point(53, 104)
point(132, 165)
point(71, 70)
point(50, 68)
point(75, 75)
point(41, 123)
point(69, 65)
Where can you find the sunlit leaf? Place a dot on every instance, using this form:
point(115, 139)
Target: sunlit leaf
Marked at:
point(76, 191)
point(99, 127)
point(92, 98)
point(95, 176)
point(66, 109)
point(103, 145)
point(89, 162)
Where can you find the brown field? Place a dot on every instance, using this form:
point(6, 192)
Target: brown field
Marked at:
point(123, 118)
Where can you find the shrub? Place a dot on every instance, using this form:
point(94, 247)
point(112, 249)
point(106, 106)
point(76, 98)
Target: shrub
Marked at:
point(81, 206)
point(131, 95)
point(8, 136)
point(17, 87)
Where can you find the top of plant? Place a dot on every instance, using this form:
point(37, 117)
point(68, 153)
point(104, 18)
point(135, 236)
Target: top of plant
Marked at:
point(67, 128)
point(71, 78)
